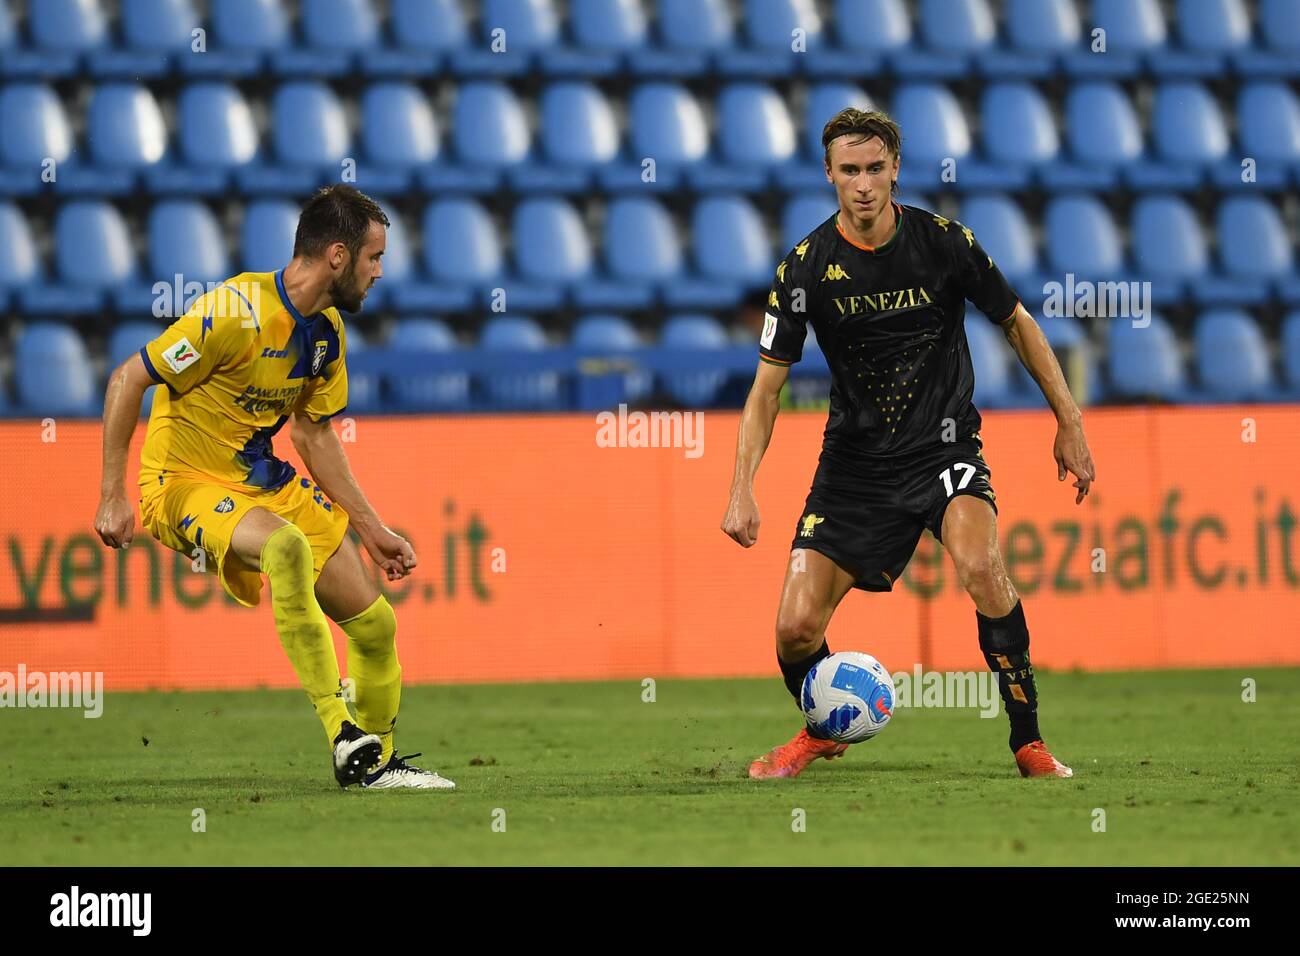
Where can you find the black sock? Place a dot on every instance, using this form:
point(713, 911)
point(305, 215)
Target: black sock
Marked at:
point(1005, 643)
point(795, 671)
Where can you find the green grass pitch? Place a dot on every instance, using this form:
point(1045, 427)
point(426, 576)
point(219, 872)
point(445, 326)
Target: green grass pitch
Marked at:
point(1186, 772)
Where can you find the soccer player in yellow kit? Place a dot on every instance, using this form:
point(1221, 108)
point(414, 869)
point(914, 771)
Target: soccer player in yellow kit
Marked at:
point(243, 360)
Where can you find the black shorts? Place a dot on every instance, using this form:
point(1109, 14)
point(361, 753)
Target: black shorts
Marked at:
point(868, 519)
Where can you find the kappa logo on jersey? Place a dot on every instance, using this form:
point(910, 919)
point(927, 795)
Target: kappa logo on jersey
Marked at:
point(224, 506)
point(780, 272)
point(810, 523)
point(318, 359)
point(835, 271)
point(800, 249)
point(769, 329)
point(181, 355)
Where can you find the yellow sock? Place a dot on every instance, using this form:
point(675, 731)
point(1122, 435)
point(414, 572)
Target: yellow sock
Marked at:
point(303, 628)
point(373, 666)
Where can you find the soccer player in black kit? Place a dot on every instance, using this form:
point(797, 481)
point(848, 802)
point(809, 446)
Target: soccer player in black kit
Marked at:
point(885, 287)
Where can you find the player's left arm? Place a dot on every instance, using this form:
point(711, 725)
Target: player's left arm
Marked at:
point(321, 451)
point(1035, 352)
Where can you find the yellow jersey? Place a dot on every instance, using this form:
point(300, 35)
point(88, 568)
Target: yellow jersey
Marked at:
point(232, 370)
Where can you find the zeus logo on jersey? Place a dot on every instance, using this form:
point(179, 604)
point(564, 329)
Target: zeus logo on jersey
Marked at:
point(181, 355)
point(882, 301)
point(269, 352)
point(318, 359)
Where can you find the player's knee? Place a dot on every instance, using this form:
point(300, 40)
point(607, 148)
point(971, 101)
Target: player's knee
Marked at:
point(798, 635)
point(287, 557)
point(979, 573)
point(374, 628)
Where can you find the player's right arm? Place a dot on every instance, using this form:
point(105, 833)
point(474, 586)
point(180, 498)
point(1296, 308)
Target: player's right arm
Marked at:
point(756, 423)
point(115, 518)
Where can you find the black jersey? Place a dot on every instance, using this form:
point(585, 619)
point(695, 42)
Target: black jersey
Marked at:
point(889, 320)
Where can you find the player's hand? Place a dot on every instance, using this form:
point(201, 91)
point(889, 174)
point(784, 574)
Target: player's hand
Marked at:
point(1072, 455)
point(391, 552)
point(115, 521)
point(742, 520)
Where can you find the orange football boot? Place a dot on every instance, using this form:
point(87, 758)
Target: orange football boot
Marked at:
point(788, 760)
point(1035, 760)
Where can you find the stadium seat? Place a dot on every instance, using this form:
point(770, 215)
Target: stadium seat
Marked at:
point(610, 334)
point(462, 253)
point(521, 30)
point(242, 32)
point(690, 332)
point(769, 38)
point(641, 247)
point(1231, 357)
point(52, 372)
point(1168, 244)
point(92, 245)
point(1118, 35)
point(687, 31)
point(550, 241)
point(159, 25)
point(421, 32)
point(730, 243)
point(489, 125)
point(605, 25)
point(1213, 26)
point(1145, 362)
point(803, 214)
point(578, 124)
point(125, 126)
point(936, 131)
point(1082, 238)
point(667, 124)
point(1018, 128)
point(309, 127)
point(1254, 251)
point(216, 126)
point(340, 25)
point(186, 239)
point(1268, 117)
point(440, 391)
point(68, 25)
point(266, 237)
point(758, 132)
point(991, 360)
point(1042, 26)
point(33, 128)
point(399, 133)
point(872, 26)
point(1104, 134)
point(1188, 131)
point(999, 224)
point(20, 265)
point(518, 390)
point(957, 27)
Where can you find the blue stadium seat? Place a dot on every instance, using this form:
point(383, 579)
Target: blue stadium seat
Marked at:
point(420, 32)
point(126, 340)
point(1168, 245)
point(936, 130)
point(578, 124)
point(767, 50)
point(462, 253)
point(804, 213)
point(489, 125)
point(1001, 227)
point(153, 25)
point(757, 131)
point(1279, 28)
point(266, 237)
point(340, 25)
point(1130, 30)
point(528, 24)
point(1188, 125)
point(872, 26)
point(1145, 362)
point(641, 247)
point(33, 127)
point(957, 27)
point(441, 391)
point(603, 25)
point(243, 31)
point(125, 126)
point(1082, 238)
point(1268, 118)
point(550, 241)
point(687, 31)
point(1042, 26)
point(92, 245)
point(1291, 354)
point(730, 243)
point(399, 132)
point(1018, 127)
point(310, 136)
point(1213, 26)
point(518, 390)
point(611, 334)
point(52, 372)
point(68, 25)
point(217, 135)
point(1231, 357)
point(1104, 134)
point(690, 332)
point(665, 124)
point(20, 265)
point(185, 238)
point(1254, 251)
point(991, 360)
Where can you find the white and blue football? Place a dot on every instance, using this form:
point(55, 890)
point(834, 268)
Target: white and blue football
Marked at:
point(848, 697)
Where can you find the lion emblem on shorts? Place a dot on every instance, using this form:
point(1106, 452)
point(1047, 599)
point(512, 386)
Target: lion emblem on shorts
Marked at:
point(810, 523)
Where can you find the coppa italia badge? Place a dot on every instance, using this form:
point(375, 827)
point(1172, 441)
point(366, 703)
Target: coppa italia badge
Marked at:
point(181, 355)
point(318, 359)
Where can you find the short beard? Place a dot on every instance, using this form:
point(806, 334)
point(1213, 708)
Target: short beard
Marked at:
point(347, 298)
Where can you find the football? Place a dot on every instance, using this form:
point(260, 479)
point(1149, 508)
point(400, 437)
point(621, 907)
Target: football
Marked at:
point(848, 697)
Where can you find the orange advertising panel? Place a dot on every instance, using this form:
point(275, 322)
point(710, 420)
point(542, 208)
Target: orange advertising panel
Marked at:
point(550, 549)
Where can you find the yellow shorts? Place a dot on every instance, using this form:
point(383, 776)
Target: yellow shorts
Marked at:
point(189, 514)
